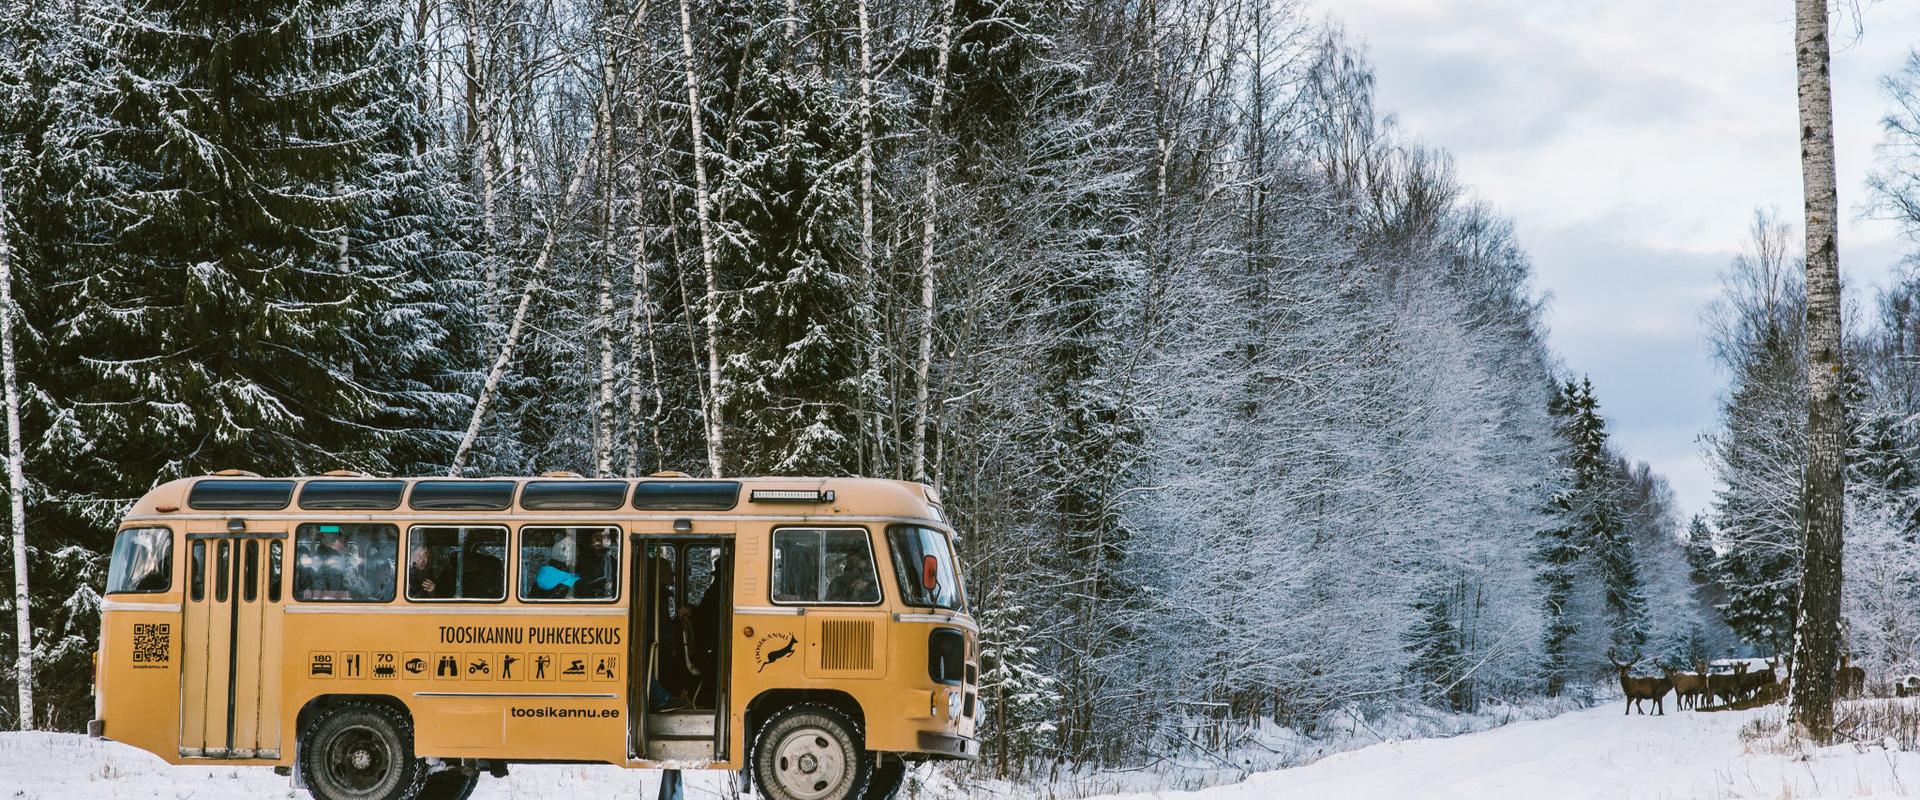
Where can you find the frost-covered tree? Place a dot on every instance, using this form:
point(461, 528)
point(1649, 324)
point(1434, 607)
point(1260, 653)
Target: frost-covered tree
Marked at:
point(1758, 451)
point(247, 177)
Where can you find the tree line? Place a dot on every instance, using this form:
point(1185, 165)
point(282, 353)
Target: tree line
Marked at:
point(1243, 406)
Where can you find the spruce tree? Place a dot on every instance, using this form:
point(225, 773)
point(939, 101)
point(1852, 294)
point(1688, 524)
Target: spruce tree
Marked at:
point(1558, 550)
point(1601, 524)
point(257, 295)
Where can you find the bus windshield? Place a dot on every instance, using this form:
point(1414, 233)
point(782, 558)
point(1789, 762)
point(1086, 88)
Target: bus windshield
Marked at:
point(924, 561)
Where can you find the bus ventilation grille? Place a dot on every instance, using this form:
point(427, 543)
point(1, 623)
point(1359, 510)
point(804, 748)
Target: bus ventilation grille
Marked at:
point(846, 644)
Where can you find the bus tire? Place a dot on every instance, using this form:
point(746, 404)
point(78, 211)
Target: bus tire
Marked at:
point(448, 784)
point(811, 752)
point(358, 750)
point(889, 774)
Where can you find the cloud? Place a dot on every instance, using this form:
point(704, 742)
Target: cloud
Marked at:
point(1630, 142)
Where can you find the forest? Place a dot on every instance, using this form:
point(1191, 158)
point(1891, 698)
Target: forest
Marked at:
point(1241, 400)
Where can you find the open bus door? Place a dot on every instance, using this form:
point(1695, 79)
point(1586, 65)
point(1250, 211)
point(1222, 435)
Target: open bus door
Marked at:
point(679, 662)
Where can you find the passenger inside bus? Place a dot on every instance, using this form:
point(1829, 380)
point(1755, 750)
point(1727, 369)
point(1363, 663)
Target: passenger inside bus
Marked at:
point(427, 576)
point(556, 569)
point(671, 680)
point(483, 575)
point(456, 563)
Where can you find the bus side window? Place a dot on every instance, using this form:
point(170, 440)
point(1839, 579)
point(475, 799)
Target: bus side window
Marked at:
point(345, 562)
point(823, 566)
point(456, 563)
point(569, 563)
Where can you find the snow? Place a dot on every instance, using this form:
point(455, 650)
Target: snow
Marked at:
point(1592, 753)
point(65, 766)
point(1595, 753)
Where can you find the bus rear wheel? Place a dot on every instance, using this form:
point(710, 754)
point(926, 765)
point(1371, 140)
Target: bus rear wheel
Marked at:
point(360, 751)
point(811, 752)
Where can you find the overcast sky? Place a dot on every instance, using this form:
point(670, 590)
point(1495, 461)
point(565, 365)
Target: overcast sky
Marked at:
point(1630, 141)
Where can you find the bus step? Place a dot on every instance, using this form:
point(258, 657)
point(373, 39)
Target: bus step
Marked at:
point(680, 750)
point(689, 724)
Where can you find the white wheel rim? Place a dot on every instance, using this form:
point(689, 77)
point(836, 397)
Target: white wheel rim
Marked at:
point(809, 763)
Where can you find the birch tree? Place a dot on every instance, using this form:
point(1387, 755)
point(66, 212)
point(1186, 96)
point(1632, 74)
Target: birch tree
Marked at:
point(535, 280)
point(929, 208)
point(16, 478)
point(715, 398)
point(1818, 641)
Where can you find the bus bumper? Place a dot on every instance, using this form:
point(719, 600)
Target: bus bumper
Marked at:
point(949, 746)
point(96, 729)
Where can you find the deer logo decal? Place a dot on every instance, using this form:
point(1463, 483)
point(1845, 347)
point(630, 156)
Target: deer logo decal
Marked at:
point(767, 657)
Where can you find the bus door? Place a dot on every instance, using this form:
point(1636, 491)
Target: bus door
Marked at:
point(230, 689)
point(682, 609)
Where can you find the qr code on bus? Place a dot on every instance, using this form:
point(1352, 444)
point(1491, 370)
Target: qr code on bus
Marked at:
point(151, 642)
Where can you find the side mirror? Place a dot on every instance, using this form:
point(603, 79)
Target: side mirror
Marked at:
point(930, 572)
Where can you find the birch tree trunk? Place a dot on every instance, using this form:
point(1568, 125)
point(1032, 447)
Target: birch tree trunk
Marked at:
point(640, 319)
point(16, 479)
point(1818, 641)
point(535, 277)
point(868, 315)
point(603, 415)
point(923, 363)
point(715, 399)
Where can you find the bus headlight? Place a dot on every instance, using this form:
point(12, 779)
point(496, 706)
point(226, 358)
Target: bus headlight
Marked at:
point(953, 705)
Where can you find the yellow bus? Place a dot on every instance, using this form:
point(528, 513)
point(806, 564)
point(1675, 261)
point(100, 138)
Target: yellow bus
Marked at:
point(398, 637)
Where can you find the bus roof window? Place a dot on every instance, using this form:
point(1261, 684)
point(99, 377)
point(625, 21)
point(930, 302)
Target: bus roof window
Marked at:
point(686, 495)
point(566, 495)
point(351, 495)
point(459, 495)
point(240, 494)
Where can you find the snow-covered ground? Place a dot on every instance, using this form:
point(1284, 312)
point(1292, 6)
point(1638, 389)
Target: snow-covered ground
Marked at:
point(1593, 753)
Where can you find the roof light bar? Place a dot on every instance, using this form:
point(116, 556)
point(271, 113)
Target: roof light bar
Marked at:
point(792, 495)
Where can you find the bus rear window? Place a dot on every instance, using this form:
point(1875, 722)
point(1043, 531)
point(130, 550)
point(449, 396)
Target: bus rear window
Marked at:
point(924, 562)
point(142, 561)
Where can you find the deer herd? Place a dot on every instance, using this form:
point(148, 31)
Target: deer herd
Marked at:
point(1697, 689)
point(1734, 683)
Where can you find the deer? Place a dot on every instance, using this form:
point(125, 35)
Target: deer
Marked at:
point(1688, 687)
point(1731, 686)
point(1906, 686)
point(1851, 680)
point(1638, 689)
point(1757, 683)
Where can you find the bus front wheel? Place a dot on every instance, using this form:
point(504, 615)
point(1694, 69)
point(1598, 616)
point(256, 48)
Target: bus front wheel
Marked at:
point(449, 784)
point(360, 751)
point(811, 752)
point(889, 774)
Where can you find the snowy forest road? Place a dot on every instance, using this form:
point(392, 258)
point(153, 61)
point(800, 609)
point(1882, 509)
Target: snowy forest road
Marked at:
point(1595, 753)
